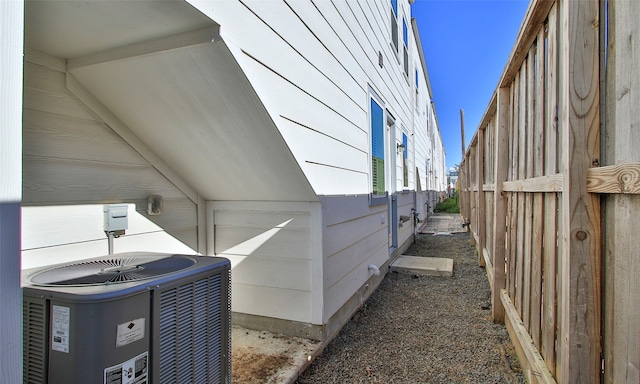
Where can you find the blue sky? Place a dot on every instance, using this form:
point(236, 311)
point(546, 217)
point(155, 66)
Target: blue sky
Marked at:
point(466, 45)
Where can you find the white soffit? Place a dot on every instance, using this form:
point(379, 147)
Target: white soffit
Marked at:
point(68, 29)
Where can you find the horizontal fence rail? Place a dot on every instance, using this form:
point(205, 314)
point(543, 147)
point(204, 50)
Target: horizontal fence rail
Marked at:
point(537, 178)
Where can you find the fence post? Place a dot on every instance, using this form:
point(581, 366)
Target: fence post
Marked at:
point(467, 195)
point(579, 296)
point(500, 215)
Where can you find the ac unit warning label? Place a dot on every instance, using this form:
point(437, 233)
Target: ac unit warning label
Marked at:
point(60, 329)
point(132, 371)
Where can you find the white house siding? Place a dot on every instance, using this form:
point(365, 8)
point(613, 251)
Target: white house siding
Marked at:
point(424, 123)
point(71, 157)
point(355, 235)
point(317, 100)
point(11, 26)
point(275, 253)
point(422, 157)
point(422, 152)
point(435, 171)
point(313, 65)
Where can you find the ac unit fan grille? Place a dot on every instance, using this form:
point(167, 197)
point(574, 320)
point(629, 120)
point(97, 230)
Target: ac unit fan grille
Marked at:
point(111, 270)
point(191, 333)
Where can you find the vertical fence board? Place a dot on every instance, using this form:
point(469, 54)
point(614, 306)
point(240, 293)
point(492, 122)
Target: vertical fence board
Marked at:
point(513, 243)
point(513, 167)
point(562, 308)
point(480, 196)
point(472, 193)
point(462, 188)
point(528, 198)
point(489, 141)
point(488, 223)
point(579, 267)
point(522, 143)
point(621, 243)
point(538, 198)
point(550, 200)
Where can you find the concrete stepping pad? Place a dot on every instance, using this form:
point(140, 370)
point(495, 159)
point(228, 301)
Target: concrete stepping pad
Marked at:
point(426, 266)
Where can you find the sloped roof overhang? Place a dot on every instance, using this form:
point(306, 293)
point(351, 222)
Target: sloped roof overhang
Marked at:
point(163, 71)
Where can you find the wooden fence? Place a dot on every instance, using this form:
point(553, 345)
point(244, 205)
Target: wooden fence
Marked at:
point(550, 188)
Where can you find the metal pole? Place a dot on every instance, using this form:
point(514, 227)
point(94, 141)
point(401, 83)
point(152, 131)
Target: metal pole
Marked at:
point(110, 242)
point(462, 131)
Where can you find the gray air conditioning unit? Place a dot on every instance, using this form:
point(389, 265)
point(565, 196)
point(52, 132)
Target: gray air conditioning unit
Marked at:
point(134, 318)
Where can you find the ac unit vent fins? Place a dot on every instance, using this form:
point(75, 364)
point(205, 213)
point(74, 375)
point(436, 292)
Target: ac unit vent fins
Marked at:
point(111, 270)
point(191, 342)
point(34, 338)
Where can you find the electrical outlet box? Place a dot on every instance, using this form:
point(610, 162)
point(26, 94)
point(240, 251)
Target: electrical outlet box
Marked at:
point(115, 217)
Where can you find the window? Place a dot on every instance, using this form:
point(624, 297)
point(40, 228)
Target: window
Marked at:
point(405, 40)
point(377, 149)
point(405, 160)
point(394, 24)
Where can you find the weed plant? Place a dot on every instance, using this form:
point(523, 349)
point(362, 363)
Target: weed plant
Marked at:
point(450, 205)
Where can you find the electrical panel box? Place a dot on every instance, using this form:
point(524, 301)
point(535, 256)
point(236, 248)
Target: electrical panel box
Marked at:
point(115, 217)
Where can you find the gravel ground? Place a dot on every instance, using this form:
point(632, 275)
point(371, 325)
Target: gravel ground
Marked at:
point(422, 329)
